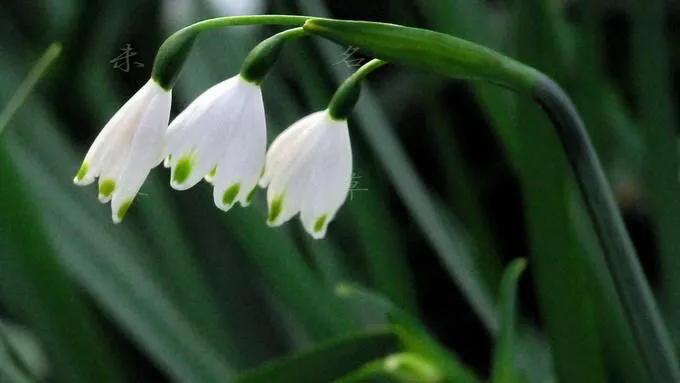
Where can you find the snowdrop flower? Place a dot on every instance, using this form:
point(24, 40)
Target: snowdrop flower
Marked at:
point(308, 170)
point(220, 136)
point(128, 147)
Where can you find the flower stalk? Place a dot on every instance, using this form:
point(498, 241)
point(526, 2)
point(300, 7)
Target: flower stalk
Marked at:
point(261, 58)
point(346, 96)
point(175, 49)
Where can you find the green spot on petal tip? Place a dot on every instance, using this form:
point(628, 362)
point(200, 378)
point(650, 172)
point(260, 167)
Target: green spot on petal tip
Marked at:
point(123, 209)
point(251, 195)
point(275, 209)
point(318, 225)
point(230, 194)
point(82, 172)
point(106, 187)
point(182, 170)
point(212, 173)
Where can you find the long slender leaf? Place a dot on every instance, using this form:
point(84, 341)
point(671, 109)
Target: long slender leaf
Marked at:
point(504, 369)
point(327, 360)
point(658, 117)
point(413, 334)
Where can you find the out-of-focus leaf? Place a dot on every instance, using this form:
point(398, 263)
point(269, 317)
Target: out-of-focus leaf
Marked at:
point(27, 85)
point(119, 284)
point(504, 369)
point(659, 120)
point(277, 258)
point(10, 371)
point(32, 285)
point(25, 349)
point(413, 334)
point(326, 361)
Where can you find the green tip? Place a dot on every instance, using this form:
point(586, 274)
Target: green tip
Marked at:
point(251, 195)
point(212, 173)
point(230, 194)
point(123, 209)
point(183, 169)
point(106, 187)
point(318, 225)
point(275, 209)
point(82, 172)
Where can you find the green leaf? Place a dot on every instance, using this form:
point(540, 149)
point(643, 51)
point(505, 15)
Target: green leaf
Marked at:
point(34, 287)
point(412, 333)
point(38, 70)
point(504, 369)
point(659, 121)
point(24, 349)
point(281, 265)
point(326, 361)
point(32, 284)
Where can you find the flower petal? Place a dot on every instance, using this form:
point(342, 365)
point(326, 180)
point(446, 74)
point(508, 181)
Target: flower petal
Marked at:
point(116, 133)
point(330, 180)
point(243, 159)
point(280, 149)
point(290, 175)
point(213, 125)
point(145, 149)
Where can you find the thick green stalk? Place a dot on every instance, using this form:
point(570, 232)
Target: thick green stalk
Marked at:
point(453, 57)
point(633, 290)
point(346, 96)
point(265, 54)
point(175, 49)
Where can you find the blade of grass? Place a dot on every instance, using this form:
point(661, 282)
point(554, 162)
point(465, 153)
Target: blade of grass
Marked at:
point(38, 70)
point(282, 266)
point(33, 284)
point(118, 283)
point(325, 361)
point(412, 333)
point(658, 118)
point(34, 287)
point(504, 368)
point(10, 371)
point(24, 350)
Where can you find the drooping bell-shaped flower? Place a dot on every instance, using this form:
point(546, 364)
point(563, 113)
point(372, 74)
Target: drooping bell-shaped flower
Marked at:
point(128, 147)
point(220, 136)
point(308, 170)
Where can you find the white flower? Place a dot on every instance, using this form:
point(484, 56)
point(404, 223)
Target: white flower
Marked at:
point(220, 136)
point(309, 170)
point(128, 147)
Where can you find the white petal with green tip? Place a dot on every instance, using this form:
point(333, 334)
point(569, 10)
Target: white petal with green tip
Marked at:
point(308, 170)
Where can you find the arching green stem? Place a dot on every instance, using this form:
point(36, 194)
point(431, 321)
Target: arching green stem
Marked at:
point(346, 96)
point(261, 58)
point(456, 58)
point(636, 297)
point(173, 52)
